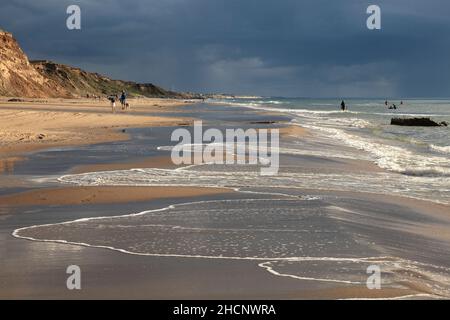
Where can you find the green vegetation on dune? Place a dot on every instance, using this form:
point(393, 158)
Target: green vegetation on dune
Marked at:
point(81, 83)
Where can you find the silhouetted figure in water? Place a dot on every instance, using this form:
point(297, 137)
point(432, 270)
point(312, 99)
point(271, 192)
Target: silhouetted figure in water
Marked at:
point(386, 103)
point(343, 107)
point(393, 107)
point(401, 103)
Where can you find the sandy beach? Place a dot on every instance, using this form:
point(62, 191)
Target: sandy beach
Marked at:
point(36, 124)
point(220, 237)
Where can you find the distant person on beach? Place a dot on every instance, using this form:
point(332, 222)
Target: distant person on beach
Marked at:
point(343, 107)
point(386, 103)
point(123, 98)
point(112, 99)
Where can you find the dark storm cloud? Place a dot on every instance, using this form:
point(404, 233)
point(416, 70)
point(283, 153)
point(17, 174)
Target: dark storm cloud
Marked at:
point(282, 47)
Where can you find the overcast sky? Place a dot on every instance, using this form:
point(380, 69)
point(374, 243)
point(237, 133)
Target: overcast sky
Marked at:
point(302, 48)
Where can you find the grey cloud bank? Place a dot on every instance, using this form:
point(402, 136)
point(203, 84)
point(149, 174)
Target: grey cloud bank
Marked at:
point(274, 48)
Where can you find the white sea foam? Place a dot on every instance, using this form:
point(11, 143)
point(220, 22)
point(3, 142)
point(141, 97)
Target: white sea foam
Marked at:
point(441, 149)
point(344, 270)
point(393, 158)
point(436, 189)
point(282, 150)
point(394, 272)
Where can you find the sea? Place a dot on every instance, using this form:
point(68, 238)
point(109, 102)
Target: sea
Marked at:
point(420, 154)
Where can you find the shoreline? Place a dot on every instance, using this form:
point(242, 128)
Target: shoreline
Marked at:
point(409, 290)
point(126, 199)
point(68, 195)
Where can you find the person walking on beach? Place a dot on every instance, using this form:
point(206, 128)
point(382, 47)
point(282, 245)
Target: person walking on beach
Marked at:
point(343, 107)
point(123, 98)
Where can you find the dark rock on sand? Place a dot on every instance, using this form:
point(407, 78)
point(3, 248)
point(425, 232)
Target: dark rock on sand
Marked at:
point(422, 122)
point(263, 122)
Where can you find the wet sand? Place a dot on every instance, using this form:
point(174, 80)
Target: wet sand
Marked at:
point(110, 274)
point(7, 164)
point(293, 131)
point(151, 162)
point(98, 195)
point(373, 224)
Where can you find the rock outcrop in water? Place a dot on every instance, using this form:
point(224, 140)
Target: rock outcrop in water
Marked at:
point(418, 122)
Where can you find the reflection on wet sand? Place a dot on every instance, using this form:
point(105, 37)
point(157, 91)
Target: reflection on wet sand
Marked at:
point(7, 164)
